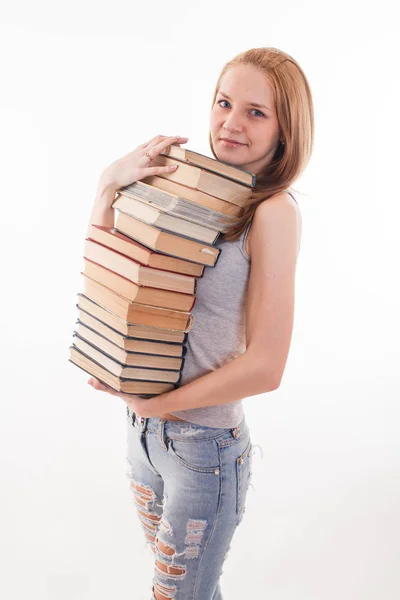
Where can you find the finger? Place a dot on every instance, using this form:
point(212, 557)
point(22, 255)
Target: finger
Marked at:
point(164, 147)
point(153, 139)
point(148, 171)
point(102, 387)
point(157, 146)
point(152, 152)
point(156, 139)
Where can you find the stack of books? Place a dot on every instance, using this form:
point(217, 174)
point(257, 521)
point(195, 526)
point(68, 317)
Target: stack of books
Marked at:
point(140, 277)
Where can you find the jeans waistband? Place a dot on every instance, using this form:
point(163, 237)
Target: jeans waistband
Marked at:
point(177, 428)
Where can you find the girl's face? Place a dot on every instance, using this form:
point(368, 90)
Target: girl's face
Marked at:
point(234, 116)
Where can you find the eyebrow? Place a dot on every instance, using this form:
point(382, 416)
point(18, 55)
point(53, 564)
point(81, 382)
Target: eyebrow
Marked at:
point(250, 103)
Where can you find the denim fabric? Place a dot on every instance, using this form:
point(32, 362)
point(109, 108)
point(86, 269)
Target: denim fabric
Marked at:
point(189, 485)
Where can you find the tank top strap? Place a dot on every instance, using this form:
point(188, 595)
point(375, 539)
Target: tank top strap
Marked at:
point(292, 195)
point(242, 240)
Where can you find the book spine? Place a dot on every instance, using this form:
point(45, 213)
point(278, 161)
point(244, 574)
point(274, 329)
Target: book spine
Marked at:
point(173, 385)
point(76, 334)
point(127, 337)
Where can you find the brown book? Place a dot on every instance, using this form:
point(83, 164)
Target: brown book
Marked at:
point(204, 181)
point(127, 386)
point(135, 293)
point(108, 236)
point(211, 164)
point(120, 370)
point(133, 312)
point(136, 272)
point(173, 187)
point(164, 221)
point(134, 330)
point(125, 357)
point(177, 206)
point(168, 243)
point(129, 344)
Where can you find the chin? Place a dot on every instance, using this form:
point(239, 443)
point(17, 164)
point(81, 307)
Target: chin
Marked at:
point(231, 155)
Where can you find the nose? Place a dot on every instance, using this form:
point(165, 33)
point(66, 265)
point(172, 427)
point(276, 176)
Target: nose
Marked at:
point(233, 122)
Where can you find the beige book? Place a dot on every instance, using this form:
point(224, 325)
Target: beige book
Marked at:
point(196, 196)
point(204, 181)
point(134, 312)
point(122, 371)
point(151, 215)
point(136, 272)
point(135, 330)
point(135, 293)
point(211, 164)
point(168, 243)
point(130, 359)
point(127, 386)
point(110, 237)
point(130, 344)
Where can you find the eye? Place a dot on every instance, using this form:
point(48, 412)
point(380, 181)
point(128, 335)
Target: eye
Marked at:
point(219, 102)
point(254, 109)
point(259, 111)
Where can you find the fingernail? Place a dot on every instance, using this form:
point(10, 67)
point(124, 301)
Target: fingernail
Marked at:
point(173, 167)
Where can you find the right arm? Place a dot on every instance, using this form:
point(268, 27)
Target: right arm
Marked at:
point(102, 212)
point(128, 169)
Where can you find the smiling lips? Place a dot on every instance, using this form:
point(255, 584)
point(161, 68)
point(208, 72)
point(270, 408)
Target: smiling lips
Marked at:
point(232, 142)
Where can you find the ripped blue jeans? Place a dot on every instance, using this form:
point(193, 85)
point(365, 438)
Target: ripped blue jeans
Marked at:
point(189, 485)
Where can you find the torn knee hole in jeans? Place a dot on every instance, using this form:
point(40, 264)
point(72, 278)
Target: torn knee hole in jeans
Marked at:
point(163, 592)
point(144, 496)
point(166, 554)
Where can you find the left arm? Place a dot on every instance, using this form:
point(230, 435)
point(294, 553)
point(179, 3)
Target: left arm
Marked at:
point(273, 246)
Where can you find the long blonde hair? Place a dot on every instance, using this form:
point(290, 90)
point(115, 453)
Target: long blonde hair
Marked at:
point(295, 114)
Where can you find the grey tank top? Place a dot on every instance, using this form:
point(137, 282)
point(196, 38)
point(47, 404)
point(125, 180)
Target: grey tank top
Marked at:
point(218, 334)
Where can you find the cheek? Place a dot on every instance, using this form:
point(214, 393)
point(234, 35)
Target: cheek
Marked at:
point(213, 120)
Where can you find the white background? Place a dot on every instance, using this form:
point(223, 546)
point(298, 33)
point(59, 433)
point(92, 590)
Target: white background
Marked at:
point(83, 83)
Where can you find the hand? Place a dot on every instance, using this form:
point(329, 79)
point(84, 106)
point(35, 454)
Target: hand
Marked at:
point(136, 165)
point(142, 407)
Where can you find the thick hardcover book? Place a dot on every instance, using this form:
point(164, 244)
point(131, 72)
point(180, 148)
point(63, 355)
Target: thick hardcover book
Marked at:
point(110, 237)
point(134, 312)
point(136, 272)
point(129, 343)
point(211, 164)
point(204, 181)
point(153, 216)
point(135, 330)
point(189, 196)
point(179, 201)
point(135, 293)
point(127, 386)
point(121, 370)
point(127, 357)
point(166, 243)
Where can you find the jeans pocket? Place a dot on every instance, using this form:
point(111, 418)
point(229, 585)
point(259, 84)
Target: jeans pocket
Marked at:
point(243, 474)
point(201, 456)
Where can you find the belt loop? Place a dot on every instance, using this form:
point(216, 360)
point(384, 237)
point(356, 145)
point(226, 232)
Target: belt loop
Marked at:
point(161, 433)
point(143, 423)
point(131, 415)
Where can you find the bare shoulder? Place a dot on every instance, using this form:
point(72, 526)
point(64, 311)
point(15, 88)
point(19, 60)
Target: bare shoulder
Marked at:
point(278, 208)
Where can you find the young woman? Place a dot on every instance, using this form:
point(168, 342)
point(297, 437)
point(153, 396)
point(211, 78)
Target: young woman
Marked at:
point(189, 450)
